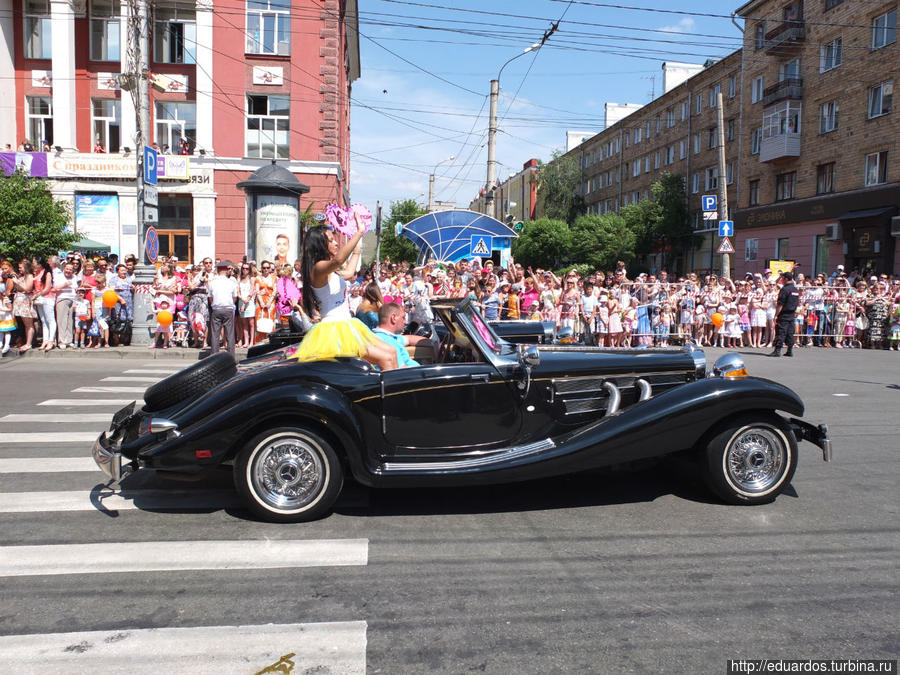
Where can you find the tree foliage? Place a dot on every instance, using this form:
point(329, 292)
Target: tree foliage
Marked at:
point(32, 223)
point(672, 230)
point(601, 241)
point(399, 249)
point(558, 190)
point(543, 243)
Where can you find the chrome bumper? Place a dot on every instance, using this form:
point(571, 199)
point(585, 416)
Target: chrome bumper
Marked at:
point(109, 461)
point(818, 435)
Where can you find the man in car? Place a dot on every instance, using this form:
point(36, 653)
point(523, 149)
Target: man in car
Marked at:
point(391, 320)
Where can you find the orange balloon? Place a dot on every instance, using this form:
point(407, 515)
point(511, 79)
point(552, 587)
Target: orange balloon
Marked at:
point(164, 317)
point(717, 319)
point(110, 298)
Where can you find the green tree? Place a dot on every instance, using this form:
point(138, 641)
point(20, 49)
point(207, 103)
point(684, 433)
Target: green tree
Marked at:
point(672, 230)
point(601, 241)
point(558, 190)
point(399, 249)
point(543, 243)
point(32, 223)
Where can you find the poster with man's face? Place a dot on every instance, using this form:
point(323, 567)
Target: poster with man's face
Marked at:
point(277, 230)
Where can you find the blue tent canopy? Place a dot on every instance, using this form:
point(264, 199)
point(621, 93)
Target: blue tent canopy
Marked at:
point(447, 235)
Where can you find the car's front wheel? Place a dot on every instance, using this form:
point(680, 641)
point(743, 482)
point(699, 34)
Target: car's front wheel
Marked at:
point(750, 459)
point(288, 475)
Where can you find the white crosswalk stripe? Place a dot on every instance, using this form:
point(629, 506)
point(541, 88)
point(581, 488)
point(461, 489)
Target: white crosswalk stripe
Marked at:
point(137, 378)
point(34, 437)
point(110, 500)
point(88, 402)
point(332, 647)
point(109, 390)
point(47, 465)
point(54, 418)
point(156, 371)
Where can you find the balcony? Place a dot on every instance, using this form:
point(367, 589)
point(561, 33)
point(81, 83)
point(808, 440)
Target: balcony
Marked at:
point(786, 35)
point(779, 147)
point(791, 87)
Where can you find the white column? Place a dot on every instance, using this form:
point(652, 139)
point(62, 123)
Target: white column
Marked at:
point(204, 75)
point(129, 116)
point(204, 225)
point(62, 22)
point(7, 74)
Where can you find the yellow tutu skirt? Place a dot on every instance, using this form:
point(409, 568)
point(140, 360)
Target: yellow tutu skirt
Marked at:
point(331, 339)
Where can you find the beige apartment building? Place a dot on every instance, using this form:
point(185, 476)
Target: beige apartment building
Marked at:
point(676, 133)
point(820, 171)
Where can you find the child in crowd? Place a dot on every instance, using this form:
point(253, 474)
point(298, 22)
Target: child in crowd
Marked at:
point(667, 318)
point(181, 332)
point(894, 330)
point(7, 320)
point(744, 313)
point(810, 321)
point(99, 329)
point(535, 311)
point(720, 331)
point(700, 325)
point(164, 332)
point(82, 309)
point(733, 332)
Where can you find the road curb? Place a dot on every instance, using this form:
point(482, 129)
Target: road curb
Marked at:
point(143, 353)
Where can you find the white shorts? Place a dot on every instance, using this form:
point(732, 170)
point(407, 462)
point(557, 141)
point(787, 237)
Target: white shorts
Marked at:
point(770, 314)
point(758, 318)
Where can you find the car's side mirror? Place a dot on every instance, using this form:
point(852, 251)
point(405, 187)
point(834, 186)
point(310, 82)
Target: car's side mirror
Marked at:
point(531, 357)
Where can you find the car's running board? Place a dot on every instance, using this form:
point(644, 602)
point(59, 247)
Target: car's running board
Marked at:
point(498, 457)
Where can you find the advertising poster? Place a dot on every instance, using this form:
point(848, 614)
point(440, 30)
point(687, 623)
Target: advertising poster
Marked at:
point(779, 266)
point(30, 163)
point(277, 229)
point(97, 218)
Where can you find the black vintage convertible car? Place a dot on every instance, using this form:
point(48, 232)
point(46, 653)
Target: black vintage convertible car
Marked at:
point(483, 411)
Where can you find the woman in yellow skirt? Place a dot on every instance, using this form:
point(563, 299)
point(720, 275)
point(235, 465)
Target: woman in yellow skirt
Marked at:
point(325, 291)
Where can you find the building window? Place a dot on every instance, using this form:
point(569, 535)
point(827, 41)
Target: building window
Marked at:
point(755, 137)
point(828, 117)
point(756, 89)
point(627, 139)
point(714, 95)
point(695, 183)
point(268, 126)
point(825, 178)
point(830, 55)
point(783, 119)
point(712, 178)
point(696, 143)
point(649, 128)
point(647, 164)
point(39, 120)
point(670, 155)
point(730, 129)
point(880, 99)
point(832, 3)
point(637, 135)
point(732, 86)
point(884, 29)
point(699, 104)
point(754, 192)
point(269, 27)
point(751, 249)
point(784, 186)
point(729, 173)
point(685, 111)
point(759, 35)
point(105, 121)
point(175, 120)
point(712, 135)
point(670, 118)
point(37, 29)
point(658, 125)
point(682, 149)
point(876, 168)
point(782, 248)
point(174, 32)
point(789, 70)
point(656, 159)
point(105, 30)
point(636, 168)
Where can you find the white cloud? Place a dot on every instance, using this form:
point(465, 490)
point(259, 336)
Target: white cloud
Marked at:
point(686, 25)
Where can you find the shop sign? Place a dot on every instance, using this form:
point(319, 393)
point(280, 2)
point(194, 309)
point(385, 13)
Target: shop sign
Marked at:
point(91, 166)
point(97, 218)
point(173, 167)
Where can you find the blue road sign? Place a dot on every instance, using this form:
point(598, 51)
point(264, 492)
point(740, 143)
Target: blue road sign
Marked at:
point(726, 228)
point(710, 203)
point(151, 244)
point(481, 245)
point(501, 242)
point(150, 156)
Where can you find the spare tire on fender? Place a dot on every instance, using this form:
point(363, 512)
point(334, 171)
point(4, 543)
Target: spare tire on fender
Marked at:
point(194, 380)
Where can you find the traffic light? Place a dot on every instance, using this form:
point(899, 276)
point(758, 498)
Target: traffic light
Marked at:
point(519, 226)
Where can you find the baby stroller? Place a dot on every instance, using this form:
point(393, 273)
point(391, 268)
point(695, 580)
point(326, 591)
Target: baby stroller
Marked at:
point(181, 330)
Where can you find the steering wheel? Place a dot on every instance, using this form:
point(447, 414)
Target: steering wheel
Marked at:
point(444, 349)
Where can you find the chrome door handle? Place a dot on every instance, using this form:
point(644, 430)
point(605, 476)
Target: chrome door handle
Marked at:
point(480, 377)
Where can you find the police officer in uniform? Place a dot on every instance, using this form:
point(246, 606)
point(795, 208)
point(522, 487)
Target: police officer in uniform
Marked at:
point(786, 305)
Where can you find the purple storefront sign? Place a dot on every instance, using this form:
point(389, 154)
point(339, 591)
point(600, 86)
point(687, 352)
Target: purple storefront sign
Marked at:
point(32, 163)
point(172, 167)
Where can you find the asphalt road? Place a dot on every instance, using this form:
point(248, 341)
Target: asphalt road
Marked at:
point(608, 573)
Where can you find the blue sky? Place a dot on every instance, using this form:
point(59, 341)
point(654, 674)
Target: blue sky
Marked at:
point(404, 120)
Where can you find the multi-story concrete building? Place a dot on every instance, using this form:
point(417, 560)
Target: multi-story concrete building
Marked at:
point(515, 199)
point(820, 166)
point(236, 85)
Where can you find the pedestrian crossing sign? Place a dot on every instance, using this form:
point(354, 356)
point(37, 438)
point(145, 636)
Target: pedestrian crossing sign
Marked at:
point(725, 246)
point(481, 245)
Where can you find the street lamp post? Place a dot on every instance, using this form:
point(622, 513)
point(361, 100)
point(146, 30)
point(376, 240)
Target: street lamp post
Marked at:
point(431, 182)
point(492, 132)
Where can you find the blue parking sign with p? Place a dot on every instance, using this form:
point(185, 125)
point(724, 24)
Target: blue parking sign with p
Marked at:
point(709, 202)
point(150, 157)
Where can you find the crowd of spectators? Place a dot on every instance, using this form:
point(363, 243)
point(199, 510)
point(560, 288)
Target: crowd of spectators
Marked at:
point(62, 301)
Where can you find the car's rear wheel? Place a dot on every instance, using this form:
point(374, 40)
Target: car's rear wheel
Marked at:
point(288, 475)
point(751, 459)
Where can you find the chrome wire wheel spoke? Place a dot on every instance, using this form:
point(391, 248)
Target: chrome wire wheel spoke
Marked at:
point(288, 472)
point(756, 458)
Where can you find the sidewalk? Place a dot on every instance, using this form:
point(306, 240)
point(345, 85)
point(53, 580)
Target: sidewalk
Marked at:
point(172, 353)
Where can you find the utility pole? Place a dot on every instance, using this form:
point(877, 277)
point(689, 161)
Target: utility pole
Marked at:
point(378, 226)
point(723, 183)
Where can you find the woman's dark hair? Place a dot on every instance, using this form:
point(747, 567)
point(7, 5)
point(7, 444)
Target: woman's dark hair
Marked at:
point(372, 293)
point(27, 266)
point(315, 248)
point(44, 268)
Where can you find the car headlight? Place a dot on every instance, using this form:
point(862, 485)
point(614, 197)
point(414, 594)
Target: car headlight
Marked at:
point(730, 367)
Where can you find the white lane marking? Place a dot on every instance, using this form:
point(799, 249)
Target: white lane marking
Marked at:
point(116, 378)
point(840, 394)
point(333, 647)
point(109, 390)
point(166, 556)
point(156, 371)
point(31, 438)
point(126, 500)
point(46, 418)
point(47, 464)
point(90, 401)
point(157, 364)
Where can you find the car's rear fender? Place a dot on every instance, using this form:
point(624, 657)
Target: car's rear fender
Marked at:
point(219, 436)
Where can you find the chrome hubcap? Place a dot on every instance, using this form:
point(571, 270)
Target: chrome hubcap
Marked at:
point(756, 459)
point(288, 473)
